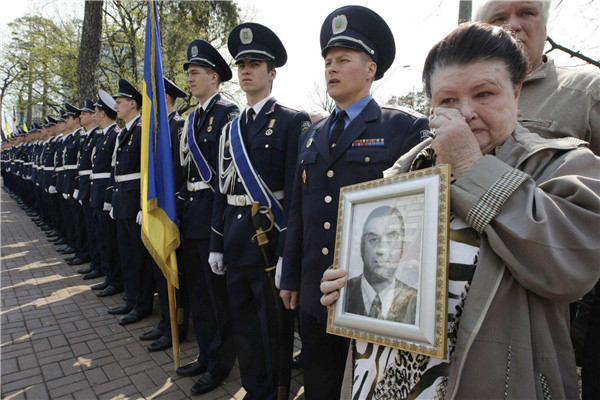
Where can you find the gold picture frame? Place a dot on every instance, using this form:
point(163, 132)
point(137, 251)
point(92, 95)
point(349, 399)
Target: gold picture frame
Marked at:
point(396, 230)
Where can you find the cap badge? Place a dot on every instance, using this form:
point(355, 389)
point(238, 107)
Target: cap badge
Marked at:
point(339, 24)
point(246, 36)
point(194, 51)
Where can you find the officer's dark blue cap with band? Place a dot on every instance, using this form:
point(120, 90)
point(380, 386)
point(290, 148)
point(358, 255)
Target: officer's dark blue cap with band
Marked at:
point(50, 121)
point(173, 90)
point(359, 28)
point(129, 91)
point(88, 105)
point(252, 41)
point(61, 116)
point(71, 110)
point(201, 52)
point(106, 103)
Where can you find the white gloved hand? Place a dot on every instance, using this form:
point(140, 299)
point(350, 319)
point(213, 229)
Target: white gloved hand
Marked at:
point(75, 193)
point(106, 207)
point(215, 260)
point(80, 202)
point(278, 272)
point(65, 196)
point(52, 189)
point(110, 214)
point(138, 218)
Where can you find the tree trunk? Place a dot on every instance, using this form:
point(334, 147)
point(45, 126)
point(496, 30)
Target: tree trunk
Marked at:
point(89, 51)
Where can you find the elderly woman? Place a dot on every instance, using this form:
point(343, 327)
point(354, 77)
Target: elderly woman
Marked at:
point(530, 210)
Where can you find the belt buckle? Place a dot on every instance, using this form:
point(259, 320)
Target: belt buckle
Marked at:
point(240, 200)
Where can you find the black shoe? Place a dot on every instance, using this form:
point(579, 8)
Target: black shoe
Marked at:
point(125, 309)
point(109, 291)
point(132, 317)
point(97, 286)
point(87, 270)
point(152, 335)
point(162, 343)
point(93, 275)
point(77, 261)
point(70, 258)
point(66, 250)
point(46, 228)
point(297, 361)
point(54, 239)
point(205, 384)
point(192, 369)
point(52, 233)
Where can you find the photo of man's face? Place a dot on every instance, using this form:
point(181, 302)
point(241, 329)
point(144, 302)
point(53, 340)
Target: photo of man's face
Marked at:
point(382, 245)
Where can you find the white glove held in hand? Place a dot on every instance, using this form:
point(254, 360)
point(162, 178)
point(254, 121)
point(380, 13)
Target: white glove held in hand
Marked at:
point(106, 207)
point(278, 273)
point(215, 260)
point(75, 194)
point(52, 189)
point(110, 214)
point(138, 218)
point(65, 196)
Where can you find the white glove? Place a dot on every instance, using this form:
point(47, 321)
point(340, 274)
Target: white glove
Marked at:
point(106, 207)
point(278, 272)
point(52, 189)
point(75, 193)
point(80, 202)
point(110, 214)
point(215, 260)
point(65, 196)
point(138, 218)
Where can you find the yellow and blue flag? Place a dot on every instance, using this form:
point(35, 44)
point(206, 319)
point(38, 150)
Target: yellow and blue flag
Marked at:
point(7, 129)
point(160, 232)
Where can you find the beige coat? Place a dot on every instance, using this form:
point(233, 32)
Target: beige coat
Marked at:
point(537, 203)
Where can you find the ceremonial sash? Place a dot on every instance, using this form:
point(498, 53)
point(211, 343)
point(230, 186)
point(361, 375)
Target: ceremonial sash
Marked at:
point(206, 172)
point(254, 185)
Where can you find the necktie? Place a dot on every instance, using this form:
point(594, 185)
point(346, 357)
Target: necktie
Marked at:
point(249, 119)
point(198, 118)
point(375, 308)
point(338, 129)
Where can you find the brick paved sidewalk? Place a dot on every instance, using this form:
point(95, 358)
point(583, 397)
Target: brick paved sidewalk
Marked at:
point(58, 342)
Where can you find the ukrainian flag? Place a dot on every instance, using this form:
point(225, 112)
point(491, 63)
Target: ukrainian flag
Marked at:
point(160, 232)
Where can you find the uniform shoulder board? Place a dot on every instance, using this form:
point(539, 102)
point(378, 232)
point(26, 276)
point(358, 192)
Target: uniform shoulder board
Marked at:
point(404, 110)
point(304, 126)
point(286, 107)
point(177, 117)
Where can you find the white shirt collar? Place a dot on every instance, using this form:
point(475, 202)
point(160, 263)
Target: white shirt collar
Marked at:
point(132, 122)
point(258, 106)
point(204, 106)
point(105, 130)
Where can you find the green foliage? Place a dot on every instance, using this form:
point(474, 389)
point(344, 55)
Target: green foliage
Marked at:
point(46, 50)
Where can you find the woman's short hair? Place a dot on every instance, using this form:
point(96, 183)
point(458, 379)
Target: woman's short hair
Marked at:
point(473, 42)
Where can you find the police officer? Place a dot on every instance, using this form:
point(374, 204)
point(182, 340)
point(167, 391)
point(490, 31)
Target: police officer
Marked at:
point(356, 143)
point(123, 193)
point(106, 235)
point(81, 191)
point(162, 333)
point(256, 163)
point(207, 292)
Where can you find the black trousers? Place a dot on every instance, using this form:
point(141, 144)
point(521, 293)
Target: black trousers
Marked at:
point(67, 216)
point(209, 307)
point(136, 268)
point(107, 248)
point(80, 236)
point(160, 284)
point(91, 227)
point(324, 357)
point(254, 324)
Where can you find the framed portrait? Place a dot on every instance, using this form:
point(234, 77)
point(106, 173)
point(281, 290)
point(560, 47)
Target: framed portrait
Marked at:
point(392, 240)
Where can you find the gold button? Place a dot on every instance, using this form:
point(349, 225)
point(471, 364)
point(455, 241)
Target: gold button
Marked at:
point(266, 146)
point(239, 216)
point(327, 199)
point(330, 174)
point(193, 179)
point(326, 225)
point(367, 159)
point(191, 199)
point(325, 251)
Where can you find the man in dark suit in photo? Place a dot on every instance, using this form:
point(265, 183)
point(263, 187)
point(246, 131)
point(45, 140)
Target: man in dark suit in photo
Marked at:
point(377, 292)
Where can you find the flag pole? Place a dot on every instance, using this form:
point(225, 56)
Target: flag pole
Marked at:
point(174, 326)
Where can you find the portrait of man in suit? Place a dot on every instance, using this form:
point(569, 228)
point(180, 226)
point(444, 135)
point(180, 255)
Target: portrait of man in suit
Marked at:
point(377, 292)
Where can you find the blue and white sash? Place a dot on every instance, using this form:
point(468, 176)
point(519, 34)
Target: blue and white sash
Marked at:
point(254, 185)
point(206, 172)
